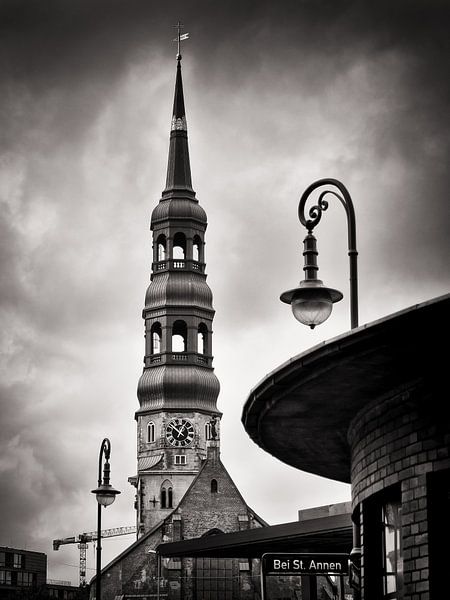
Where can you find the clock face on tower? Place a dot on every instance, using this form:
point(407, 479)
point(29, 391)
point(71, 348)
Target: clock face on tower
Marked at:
point(180, 432)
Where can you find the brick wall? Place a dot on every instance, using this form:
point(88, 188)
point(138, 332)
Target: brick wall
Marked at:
point(397, 441)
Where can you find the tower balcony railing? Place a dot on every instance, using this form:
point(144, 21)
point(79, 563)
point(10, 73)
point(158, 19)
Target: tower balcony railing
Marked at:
point(178, 264)
point(178, 358)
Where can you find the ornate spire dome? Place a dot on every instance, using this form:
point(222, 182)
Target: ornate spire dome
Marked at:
point(178, 313)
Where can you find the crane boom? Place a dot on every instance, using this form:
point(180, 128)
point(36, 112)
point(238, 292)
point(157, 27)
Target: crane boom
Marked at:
point(92, 536)
point(82, 540)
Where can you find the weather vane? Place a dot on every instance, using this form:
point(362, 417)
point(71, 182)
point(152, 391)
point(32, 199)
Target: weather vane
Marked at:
point(180, 38)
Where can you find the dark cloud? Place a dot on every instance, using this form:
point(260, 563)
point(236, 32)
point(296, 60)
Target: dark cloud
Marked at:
point(277, 94)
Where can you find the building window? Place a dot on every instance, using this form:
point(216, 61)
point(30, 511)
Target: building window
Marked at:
point(161, 248)
point(197, 249)
point(392, 551)
point(214, 486)
point(150, 432)
point(180, 459)
point(18, 561)
point(25, 579)
point(179, 246)
point(202, 339)
point(244, 565)
point(2, 559)
point(166, 495)
point(214, 578)
point(156, 334)
point(208, 435)
point(179, 336)
point(5, 577)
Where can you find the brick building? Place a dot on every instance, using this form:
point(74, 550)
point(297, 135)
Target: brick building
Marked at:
point(22, 572)
point(368, 408)
point(182, 488)
point(23, 576)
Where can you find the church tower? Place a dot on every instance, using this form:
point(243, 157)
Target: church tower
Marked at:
point(178, 419)
point(183, 490)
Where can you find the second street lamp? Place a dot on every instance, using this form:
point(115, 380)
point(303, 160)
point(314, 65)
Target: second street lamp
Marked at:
point(311, 301)
point(105, 494)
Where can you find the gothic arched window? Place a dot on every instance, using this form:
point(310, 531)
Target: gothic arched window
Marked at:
point(156, 334)
point(179, 246)
point(214, 486)
point(179, 336)
point(161, 247)
point(202, 339)
point(150, 432)
point(166, 496)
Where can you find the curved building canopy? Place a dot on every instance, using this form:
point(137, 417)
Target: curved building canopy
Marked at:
point(301, 412)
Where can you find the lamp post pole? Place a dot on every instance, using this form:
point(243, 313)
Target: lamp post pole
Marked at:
point(312, 301)
point(98, 579)
point(105, 495)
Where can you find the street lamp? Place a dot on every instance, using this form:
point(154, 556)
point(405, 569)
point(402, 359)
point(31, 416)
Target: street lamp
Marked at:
point(311, 301)
point(105, 494)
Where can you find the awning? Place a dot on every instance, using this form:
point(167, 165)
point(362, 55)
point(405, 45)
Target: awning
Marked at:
point(326, 534)
point(147, 462)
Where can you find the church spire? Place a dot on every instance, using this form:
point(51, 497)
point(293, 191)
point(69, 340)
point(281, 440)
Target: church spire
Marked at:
point(178, 167)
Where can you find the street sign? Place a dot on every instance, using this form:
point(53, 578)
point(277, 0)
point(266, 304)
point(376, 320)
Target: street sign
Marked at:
point(305, 564)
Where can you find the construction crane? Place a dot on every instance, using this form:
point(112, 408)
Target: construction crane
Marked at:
point(82, 540)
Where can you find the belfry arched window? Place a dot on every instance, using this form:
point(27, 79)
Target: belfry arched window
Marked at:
point(214, 486)
point(150, 432)
point(179, 246)
point(166, 496)
point(197, 249)
point(161, 248)
point(208, 433)
point(179, 336)
point(202, 339)
point(156, 334)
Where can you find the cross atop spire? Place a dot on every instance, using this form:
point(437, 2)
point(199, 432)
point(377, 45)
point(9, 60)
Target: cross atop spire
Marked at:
point(180, 38)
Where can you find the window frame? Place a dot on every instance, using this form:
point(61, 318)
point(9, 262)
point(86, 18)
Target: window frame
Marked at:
point(151, 432)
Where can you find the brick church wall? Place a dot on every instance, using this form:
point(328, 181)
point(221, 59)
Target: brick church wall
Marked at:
point(200, 511)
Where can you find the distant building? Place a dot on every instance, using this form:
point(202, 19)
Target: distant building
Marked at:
point(23, 574)
point(370, 408)
point(182, 488)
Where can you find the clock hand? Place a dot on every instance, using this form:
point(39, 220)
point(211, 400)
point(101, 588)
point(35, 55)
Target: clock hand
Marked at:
point(175, 429)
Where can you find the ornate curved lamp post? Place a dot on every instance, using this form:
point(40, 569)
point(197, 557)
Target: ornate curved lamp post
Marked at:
point(105, 494)
point(311, 301)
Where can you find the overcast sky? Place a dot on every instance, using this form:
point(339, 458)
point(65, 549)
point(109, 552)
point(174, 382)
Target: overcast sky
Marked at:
point(277, 95)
